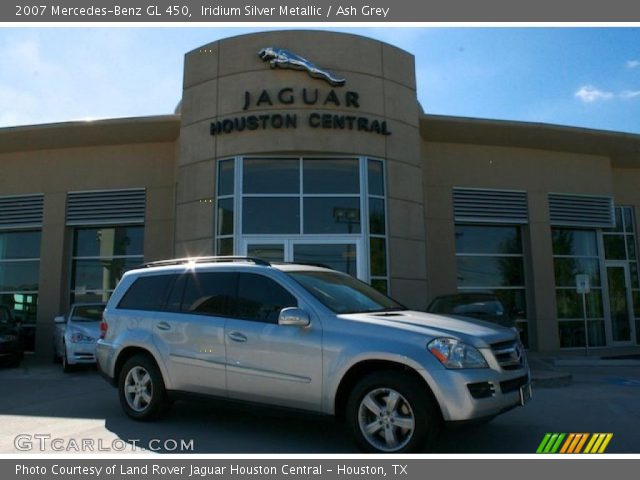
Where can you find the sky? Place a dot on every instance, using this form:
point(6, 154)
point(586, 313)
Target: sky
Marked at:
point(584, 77)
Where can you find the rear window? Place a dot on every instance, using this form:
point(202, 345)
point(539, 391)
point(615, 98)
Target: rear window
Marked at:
point(147, 293)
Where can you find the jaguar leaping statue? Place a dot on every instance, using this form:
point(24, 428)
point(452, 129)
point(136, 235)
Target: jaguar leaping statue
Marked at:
point(279, 57)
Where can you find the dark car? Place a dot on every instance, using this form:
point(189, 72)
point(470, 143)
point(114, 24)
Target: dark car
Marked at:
point(481, 306)
point(10, 345)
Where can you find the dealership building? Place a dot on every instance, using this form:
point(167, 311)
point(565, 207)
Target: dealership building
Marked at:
point(328, 160)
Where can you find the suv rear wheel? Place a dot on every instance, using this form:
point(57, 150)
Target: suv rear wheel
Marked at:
point(141, 388)
point(389, 412)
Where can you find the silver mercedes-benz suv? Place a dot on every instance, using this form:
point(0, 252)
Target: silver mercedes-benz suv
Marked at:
point(304, 337)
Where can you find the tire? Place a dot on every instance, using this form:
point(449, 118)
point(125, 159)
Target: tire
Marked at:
point(66, 367)
point(141, 389)
point(401, 414)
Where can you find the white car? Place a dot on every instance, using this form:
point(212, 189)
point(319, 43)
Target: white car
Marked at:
point(75, 335)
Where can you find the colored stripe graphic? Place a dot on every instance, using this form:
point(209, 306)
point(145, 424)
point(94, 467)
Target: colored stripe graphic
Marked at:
point(573, 443)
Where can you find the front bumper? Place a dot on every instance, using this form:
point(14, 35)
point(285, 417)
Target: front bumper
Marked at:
point(470, 394)
point(81, 353)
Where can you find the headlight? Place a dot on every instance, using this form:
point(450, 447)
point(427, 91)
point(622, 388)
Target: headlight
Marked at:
point(8, 338)
point(453, 353)
point(80, 338)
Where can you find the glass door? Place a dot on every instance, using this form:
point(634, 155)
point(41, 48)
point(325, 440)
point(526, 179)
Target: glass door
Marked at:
point(620, 310)
point(269, 251)
point(342, 254)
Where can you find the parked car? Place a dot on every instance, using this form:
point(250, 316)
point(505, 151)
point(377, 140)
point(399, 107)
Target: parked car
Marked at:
point(11, 352)
point(308, 338)
point(476, 305)
point(75, 335)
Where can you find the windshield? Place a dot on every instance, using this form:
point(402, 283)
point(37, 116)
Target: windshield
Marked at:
point(87, 313)
point(342, 293)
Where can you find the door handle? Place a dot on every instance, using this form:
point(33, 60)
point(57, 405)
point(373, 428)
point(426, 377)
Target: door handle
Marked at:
point(163, 326)
point(237, 336)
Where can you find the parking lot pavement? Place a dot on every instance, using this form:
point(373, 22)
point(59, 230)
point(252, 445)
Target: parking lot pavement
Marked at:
point(38, 399)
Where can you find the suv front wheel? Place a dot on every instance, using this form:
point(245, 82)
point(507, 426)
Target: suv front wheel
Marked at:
point(141, 388)
point(390, 412)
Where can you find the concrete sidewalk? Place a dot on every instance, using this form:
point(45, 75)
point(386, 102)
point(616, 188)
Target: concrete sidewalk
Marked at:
point(548, 368)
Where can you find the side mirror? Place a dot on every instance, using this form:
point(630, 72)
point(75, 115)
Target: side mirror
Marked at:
point(294, 316)
point(59, 319)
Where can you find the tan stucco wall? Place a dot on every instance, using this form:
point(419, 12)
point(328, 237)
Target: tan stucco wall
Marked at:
point(539, 172)
point(626, 183)
point(55, 172)
point(215, 79)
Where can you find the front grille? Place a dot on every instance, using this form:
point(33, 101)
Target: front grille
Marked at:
point(481, 389)
point(510, 355)
point(514, 384)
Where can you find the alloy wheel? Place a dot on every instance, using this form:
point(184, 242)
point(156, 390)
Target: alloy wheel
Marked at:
point(386, 419)
point(138, 388)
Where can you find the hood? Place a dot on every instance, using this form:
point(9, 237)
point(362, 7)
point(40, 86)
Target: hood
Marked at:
point(90, 329)
point(477, 333)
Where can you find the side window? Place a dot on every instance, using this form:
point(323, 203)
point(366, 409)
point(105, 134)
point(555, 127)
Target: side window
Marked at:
point(261, 299)
point(174, 300)
point(209, 293)
point(147, 293)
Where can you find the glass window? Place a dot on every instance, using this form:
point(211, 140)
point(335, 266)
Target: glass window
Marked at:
point(331, 215)
point(19, 245)
point(23, 306)
point(569, 304)
point(19, 276)
point(269, 252)
point(261, 299)
point(631, 247)
point(378, 257)
point(380, 284)
point(101, 255)
point(629, 224)
point(330, 175)
point(100, 274)
point(338, 256)
point(572, 334)
point(574, 242)
point(566, 269)
point(490, 259)
point(147, 293)
point(108, 241)
point(275, 215)
point(225, 177)
point(271, 175)
point(490, 271)
point(209, 293)
point(305, 196)
point(376, 216)
point(225, 246)
point(614, 247)
point(225, 216)
point(375, 176)
point(488, 239)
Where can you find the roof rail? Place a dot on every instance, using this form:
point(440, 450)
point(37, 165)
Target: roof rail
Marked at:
point(217, 259)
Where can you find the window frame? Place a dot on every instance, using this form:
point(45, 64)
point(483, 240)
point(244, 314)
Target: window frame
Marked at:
point(105, 294)
point(363, 238)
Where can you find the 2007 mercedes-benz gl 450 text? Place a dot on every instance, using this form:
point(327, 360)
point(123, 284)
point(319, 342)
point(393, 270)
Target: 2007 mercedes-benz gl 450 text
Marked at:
point(308, 338)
